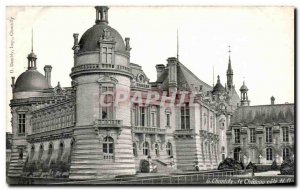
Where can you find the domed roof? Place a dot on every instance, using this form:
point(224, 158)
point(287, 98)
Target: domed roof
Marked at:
point(244, 87)
point(218, 87)
point(89, 40)
point(31, 80)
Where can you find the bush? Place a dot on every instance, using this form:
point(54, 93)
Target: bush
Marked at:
point(144, 166)
point(45, 167)
point(263, 167)
point(231, 164)
point(53, 166)
point(32, 167)
point(274, 165)
point(252, 166)
point(39, 166)
point(287, 167)
point(63, 166)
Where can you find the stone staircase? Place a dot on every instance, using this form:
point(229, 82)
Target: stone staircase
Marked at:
point(15, 164)
point(164, 168)
point(86, 154)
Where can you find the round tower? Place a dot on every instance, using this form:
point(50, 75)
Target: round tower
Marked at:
point(100, 74)
point(28, 90)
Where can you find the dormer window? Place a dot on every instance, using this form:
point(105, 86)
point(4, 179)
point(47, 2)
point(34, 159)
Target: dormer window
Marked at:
point(107, 55)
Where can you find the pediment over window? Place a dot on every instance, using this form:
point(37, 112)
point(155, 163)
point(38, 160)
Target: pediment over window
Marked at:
point(107, 79)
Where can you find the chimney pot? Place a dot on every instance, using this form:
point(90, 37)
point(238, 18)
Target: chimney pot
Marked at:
point(48, 69)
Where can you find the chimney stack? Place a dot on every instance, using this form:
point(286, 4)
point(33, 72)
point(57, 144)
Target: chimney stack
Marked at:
point(127, 46)
point(47, 70)
point(159, 69)
point(172, 65)
point(13, 82)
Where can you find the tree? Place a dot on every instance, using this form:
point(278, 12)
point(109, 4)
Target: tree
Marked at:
point(230, 164)
point(287, 167)
point(145, 166)
point(274, 165)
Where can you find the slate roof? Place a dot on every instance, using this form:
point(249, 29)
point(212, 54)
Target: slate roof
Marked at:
point(263, 114)
point(185, 79)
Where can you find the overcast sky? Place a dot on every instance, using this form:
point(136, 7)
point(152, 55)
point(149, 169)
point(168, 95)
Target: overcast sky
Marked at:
point(261, 40)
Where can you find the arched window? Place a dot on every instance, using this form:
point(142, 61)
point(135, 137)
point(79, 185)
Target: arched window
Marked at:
point(32, 152)
point(50, 150)
point(156, 150)
point(41, 151)
point(71, 149)
point(169, 149)
point(146, 148)
point(60, 151)
point(134, 149)
point(223, 148)
point(285, 153)
point(269, 153)
point(108, 148)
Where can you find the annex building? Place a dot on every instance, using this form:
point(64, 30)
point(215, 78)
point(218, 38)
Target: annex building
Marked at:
point(98, 136)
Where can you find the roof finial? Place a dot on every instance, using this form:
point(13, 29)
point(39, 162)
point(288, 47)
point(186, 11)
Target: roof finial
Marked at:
point(213, 75)
point(177, 46)
point(229, 51)
point(31, 39)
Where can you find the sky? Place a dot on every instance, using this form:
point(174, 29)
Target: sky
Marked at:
point(261, 40)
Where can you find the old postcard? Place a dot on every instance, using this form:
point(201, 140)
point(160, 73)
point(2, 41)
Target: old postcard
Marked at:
point(150, 95)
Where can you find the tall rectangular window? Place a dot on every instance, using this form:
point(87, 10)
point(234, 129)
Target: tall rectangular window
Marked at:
point(285, 134)
point(269, 135)
point(142, 116)
point(252, 135)
point(107, 107)
point(136, 116)
point(185, 117)
point(106, 55)
point(168, 119)
point(152, 119)
point(237, 136)
point(21, 123)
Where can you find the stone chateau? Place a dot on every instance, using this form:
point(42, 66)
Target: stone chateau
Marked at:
point(70, 124)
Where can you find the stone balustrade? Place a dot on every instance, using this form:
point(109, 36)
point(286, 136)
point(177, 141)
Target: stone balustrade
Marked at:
point(50, 135)
point(185, 132)
point(100, 67)
point(140, 85)
point(148, 130)
point(103, 123)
